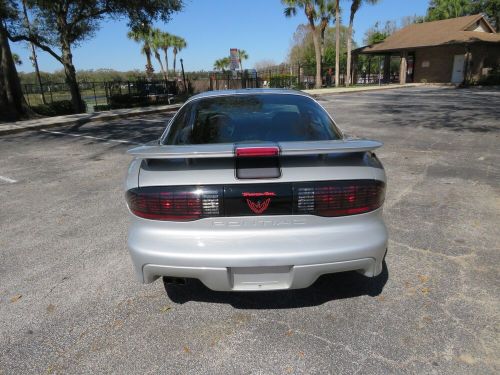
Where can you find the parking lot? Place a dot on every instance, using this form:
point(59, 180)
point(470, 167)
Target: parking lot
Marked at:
point(70, 302)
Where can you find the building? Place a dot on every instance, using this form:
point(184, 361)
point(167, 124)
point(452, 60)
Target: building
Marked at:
point(447, 51)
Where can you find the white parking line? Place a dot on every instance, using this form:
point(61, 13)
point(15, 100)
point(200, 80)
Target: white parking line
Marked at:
point(90, 137)
point(9, 180)
point(160, 121)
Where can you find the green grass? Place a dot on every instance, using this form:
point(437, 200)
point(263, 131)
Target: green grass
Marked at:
point(87, 95)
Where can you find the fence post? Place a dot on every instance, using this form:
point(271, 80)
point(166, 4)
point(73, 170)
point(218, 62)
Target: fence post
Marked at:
point(106, 92)
point(27, 95)
point(95, 96)
point(369, 69)
point(128, 85)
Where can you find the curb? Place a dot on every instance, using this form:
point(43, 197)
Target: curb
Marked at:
point(354, 90)
point(13, 128)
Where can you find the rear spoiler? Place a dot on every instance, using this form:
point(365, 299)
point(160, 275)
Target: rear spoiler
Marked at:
point(227, 150)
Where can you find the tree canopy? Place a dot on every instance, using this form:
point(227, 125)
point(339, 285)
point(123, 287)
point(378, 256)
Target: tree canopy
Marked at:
point(302, 49)
point(444, 9)
point(59, 25)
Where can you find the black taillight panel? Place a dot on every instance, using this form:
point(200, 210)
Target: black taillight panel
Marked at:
point(338, 198)
point(176, 203)
point(322, 198)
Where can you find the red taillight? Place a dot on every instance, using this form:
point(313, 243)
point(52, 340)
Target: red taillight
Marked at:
point(339, 198)
point(251, 152)
point(173, 203)
point(323, 198)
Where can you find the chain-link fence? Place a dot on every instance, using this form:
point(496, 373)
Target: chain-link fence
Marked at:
point(104, 95)
point(125, 94)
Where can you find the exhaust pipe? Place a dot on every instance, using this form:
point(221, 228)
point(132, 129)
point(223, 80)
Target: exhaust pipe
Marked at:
point(174, 280)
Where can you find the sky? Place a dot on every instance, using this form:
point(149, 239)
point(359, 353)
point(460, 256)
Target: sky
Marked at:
point(211, 28)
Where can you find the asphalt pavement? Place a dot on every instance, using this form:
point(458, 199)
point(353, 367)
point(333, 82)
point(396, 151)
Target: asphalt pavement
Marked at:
point(70, 302)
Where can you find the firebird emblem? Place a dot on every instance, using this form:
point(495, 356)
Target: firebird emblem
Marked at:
point(261, 205)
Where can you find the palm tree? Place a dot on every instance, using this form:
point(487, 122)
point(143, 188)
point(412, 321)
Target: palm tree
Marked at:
point(179, 44)
point(166, 43)
point(242, 55)
point(325, 10)
point(337, 42)
point(314, 10)
point(355, 5)
point(222, 64)
point(157, 43)
point(143, 36)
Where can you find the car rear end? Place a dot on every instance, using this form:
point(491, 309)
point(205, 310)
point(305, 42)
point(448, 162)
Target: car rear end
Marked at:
point(249, 207)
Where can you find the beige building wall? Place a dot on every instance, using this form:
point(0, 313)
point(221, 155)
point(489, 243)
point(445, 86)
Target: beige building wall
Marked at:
point(435, 64)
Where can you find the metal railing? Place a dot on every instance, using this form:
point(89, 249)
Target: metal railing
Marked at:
point(123, 94)
point(98, 95)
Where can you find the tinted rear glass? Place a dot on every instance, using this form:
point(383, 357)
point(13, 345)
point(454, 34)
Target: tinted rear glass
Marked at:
point(251, 118)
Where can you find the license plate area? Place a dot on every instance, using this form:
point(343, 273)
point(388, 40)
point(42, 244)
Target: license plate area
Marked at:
point(261, 278)
point(258, 199)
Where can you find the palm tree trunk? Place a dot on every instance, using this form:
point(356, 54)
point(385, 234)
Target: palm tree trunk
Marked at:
point(175, 59)
point(337, 43)
point(166, 61)
point(149, 65)
point(317, 52)
point(158, 57)
point(323, 26)
point(349, 51)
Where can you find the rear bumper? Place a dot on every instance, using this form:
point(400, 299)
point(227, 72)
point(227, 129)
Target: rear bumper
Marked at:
point(264, 253)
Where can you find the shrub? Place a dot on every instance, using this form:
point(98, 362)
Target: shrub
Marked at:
point(102, 107)
point(57, 108)
point(283, 81)
point(493, 77)
point(127, 101)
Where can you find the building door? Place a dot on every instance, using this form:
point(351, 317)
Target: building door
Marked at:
point(457, 76)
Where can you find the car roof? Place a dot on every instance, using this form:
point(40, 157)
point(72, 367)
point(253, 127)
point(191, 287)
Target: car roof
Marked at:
point(217, 93)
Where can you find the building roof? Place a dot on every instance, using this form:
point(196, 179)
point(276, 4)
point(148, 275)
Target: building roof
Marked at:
point(436, 33)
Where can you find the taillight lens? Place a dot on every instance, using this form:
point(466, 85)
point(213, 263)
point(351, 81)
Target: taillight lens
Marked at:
point(339, 198)
point(252, 152)
point(175, 203)
point(323, 198)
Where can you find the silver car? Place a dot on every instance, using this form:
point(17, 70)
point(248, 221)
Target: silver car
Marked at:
point(252, 190)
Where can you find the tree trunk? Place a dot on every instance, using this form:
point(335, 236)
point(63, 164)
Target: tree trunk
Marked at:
point(158, 57)
point(149, 66)
point(6, 113)
point(175, 60)
point(33, 53)
point(322, 26)
point(337, 43)
point(71, 81)
point(11, 93)
point(166, 61)
point(317, 52)
point(349, 52)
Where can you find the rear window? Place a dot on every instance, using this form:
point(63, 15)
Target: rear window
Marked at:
point(251, 118)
